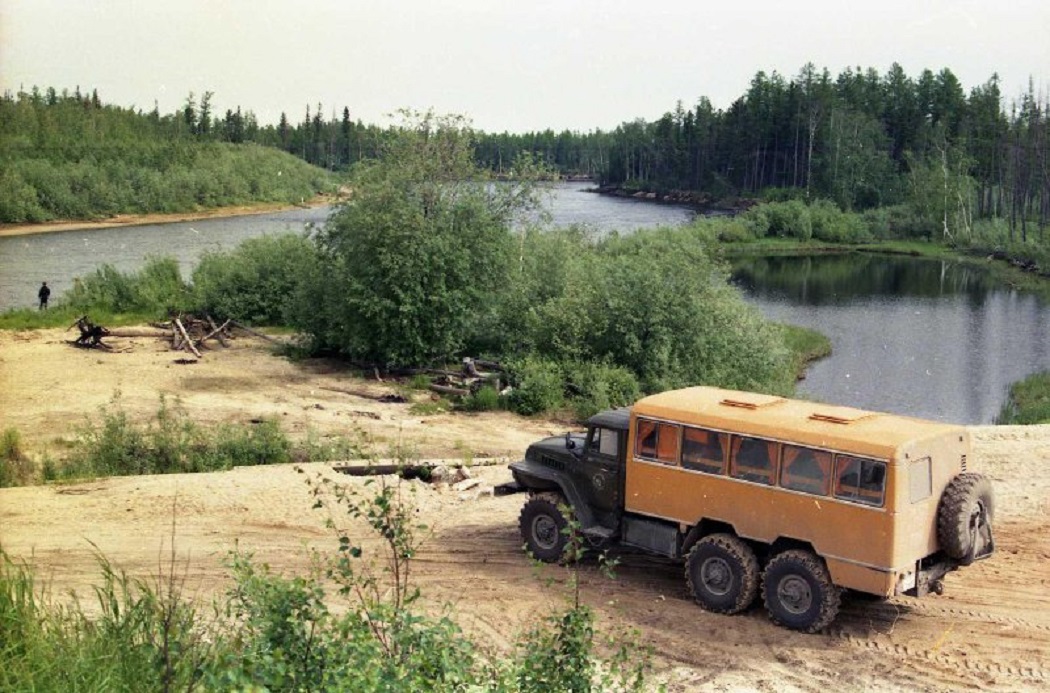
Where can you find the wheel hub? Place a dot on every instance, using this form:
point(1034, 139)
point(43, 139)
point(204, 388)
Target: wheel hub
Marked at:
point(716, 576)
point(545, 531)
point(794, 594)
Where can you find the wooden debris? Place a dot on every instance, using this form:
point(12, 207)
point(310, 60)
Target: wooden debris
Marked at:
point(90, 334)
point(389, 397)
point(252, 332)
point(185, 336)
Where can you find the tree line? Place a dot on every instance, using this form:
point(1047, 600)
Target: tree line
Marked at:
point(70, 156)
point(862, 139)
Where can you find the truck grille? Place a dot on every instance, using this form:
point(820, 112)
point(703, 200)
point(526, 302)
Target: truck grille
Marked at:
point(552, 462)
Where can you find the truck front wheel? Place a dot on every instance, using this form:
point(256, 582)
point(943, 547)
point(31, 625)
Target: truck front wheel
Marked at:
point(723, 573)
point(544, 526)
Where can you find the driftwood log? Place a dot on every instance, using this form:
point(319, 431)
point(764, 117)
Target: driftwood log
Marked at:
point(186, 337)
point(252, 332)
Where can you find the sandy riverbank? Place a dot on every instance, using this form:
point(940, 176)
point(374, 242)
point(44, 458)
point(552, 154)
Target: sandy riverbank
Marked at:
point(146, 219)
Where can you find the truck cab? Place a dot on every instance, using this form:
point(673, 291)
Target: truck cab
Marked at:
point(584, 471)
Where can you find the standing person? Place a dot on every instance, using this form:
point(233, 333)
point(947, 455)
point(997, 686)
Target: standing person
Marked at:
point(43, 295)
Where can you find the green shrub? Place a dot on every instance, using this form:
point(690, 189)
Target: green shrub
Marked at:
point(833, 225)
point(16, 469)
point(486, 398)
point(788, 219)
point(595, 387)
point(170, 443)
point(257, 281)
point(156, 290)
point(538, 386)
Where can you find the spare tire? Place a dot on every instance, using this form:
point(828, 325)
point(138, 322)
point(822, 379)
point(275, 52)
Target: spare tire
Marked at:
point(964, 517)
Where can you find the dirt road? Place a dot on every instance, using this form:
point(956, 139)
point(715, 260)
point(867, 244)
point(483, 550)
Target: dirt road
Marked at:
point(990, 631)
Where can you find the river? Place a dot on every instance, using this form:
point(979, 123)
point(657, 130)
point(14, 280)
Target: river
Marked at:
point(929, 338)
point(57, 258)
point(934, 339)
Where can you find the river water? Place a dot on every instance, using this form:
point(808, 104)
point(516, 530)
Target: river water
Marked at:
point(57, 258)
point(934, 339)
point(928, 338)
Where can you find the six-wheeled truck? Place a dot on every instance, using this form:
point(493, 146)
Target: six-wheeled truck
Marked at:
point(759, 494)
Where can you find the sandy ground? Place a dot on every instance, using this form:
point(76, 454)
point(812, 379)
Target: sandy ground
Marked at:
point(142, 219)
point(990, 631)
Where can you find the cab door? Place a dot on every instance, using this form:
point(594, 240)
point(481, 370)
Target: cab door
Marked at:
point(601, 471)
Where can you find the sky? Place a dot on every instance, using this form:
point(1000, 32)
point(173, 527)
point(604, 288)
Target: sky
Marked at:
point(517, 66)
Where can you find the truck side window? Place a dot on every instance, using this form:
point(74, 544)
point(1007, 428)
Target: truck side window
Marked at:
point(805, 469)
point(753, 459)
point(703, 451)
point(657, 441)
point(860, 480)
point(606, 442)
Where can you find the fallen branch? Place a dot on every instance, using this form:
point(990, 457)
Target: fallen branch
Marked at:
point(127, 332)
point(216, 332)
point(448, 390)
point(366, 395)
point(186, 337)
point(254, 333)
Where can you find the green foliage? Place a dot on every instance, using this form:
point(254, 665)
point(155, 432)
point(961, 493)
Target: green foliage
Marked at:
point(486, 398)
point(170, 443)
point(257, 281)
point(413, 256)
point(63, 159)
point(156, 290)
point(538, 386)
point(142, 636)
point(1028, 401)
point(806, 346)
point(653, 303)
point(16, 469)
point(595, 387)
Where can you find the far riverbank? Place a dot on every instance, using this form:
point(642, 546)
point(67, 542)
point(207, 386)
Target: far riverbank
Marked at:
point(122, 220)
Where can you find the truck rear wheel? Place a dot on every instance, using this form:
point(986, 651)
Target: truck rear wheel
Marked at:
point(964, 517)
point(722, 571)
point(543, 526)
point(798, 591)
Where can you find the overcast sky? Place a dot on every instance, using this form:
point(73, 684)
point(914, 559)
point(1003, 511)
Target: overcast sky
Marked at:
point(517, 66)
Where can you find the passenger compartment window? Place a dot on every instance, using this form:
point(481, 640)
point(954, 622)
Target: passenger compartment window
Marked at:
point(704, 451)
point(657, 441)
point(754, 460)
point(860, 480)
point(806, 470)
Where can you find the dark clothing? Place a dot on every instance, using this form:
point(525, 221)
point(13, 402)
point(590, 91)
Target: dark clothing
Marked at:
point(43, 295)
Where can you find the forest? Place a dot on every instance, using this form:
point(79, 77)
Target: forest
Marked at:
point(861, 139)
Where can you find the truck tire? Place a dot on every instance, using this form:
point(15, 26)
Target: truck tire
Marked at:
point(798, 591)
point(722, 572)
point(964, 517)
point(543, 526)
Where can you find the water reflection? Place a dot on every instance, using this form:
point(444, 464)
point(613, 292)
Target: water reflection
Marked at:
point(922, 337)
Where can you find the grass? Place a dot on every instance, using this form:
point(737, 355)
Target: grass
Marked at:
point(64, 316)
point(806, 345)
point(113, 444)
point(1028, 401)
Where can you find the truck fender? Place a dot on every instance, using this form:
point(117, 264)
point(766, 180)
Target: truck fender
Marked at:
point(536, 477)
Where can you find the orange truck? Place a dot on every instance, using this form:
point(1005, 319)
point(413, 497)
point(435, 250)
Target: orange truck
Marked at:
point(758, 494)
